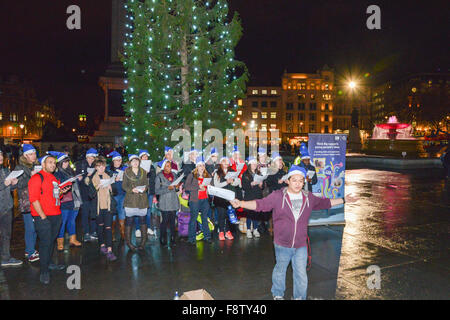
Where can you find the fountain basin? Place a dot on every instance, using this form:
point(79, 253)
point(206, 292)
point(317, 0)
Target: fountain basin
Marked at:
point(394, 148)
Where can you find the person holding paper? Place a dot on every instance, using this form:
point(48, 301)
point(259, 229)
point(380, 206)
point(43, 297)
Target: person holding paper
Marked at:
point(291, 208)
point(212, 161)
point(135, 184)
point(6, 215)
point(70, 202)
point(311, 175)
point(252, 191)
point(222, 204)
point(88, 213)
point(30, 166)
point(118, 168)
point(188, 166)
point(198, 201)
point(104, 203)
point(169, 203)
point(151, 175)
point(263, 160)
point(168, 155)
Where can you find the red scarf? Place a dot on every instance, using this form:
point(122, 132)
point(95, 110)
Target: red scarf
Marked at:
point(168, 176)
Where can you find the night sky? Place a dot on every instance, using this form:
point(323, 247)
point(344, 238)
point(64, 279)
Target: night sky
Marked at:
point(296, 35)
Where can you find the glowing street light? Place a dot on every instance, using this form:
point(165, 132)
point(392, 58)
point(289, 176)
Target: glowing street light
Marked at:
point(352, 85)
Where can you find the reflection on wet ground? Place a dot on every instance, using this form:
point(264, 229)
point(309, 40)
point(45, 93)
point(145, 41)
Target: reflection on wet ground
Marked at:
point(400, 223)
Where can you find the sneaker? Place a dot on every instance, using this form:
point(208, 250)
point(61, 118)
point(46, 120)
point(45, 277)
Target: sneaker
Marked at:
point(103, 250)
point(35, 252)
point(278, 298)
point(229, 236)
point(34, 257)
point(45, 278)
point(94, 236)
point(221, 236)
point(150, 232)
point(138, 233)
point(256, 233)
point(249, 234)
point(110, 256)
point(57, 267)
point(86, 237)
point(11, 262)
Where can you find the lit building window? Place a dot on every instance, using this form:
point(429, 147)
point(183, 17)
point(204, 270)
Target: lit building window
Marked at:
point(327, 86)
point(273, 91)
point(273, 126)
point(263, 115)
point(327, 96)
point(254, 115)
point(312, 86)
point(240, 102)
point(263, 91)
point(273, 115)
point(313, 96)
point(1, 115)
point(254, 91)
point(263, 126)
point(239, 112)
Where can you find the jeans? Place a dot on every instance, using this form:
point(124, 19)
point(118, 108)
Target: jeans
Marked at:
point(148, 216)
point(30, 233)
point(298, 257)
point(104, 231)
point(5, 234)
point(168, 219)
point(47, 231)
point(196, 207)
point(254, 222)
point(120, 209)
point(88, 208)
point(222, 217)
point(68, 219)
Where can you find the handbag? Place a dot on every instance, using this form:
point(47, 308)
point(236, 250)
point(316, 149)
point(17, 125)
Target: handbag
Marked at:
point(67, 197)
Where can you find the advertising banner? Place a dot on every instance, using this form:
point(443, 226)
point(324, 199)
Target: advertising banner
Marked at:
point(328, 157)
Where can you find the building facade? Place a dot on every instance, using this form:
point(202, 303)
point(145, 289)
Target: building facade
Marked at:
point(22, 115)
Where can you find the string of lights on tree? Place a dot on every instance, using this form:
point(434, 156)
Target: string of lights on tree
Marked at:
point(180, 67)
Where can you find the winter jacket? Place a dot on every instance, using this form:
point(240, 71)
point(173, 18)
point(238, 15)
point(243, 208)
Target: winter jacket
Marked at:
point(221, 182)
point(272, 181)
point(168, 199)
point(22, 185)
point(151, 180)
point(118, 184)
point(289, 232)
point(6, 199)
point(250, 192)
point(191, 185)
point(131, 181)
point(210, 166)
point(314, 178)
point(187, 168)
point(62, 175)
point(81, 168)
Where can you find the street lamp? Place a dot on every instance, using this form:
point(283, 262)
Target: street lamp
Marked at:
point(21, 128)
point(352, 85)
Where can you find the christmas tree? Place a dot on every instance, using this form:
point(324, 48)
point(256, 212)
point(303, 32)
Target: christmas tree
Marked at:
point(180, 67)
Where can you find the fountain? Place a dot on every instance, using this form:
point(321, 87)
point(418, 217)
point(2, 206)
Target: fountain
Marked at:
point(395, 139)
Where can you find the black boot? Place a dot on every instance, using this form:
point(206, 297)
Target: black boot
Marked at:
point(172, 239)
point(128, 238)
point(163, 237)
point(143, 237)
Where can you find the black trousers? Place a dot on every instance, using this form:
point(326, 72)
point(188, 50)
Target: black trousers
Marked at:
point(47, 230)
point(168, 220)
point(104, 231)
point(5, 234)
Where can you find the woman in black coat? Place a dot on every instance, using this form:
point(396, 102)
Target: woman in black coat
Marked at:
point(252, 191)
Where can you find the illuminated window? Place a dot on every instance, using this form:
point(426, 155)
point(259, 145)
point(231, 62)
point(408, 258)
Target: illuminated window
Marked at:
point(263, 126)
point(327, 96)
point(273, 126)
point(1, 115)
point(239, 112)
point(240, 102)
point(327, 86)
point(312, 86)
point(273, 115)
point(263, 91)
point(313, 96)
point(302, 85)
point(273, 91)
point(263, 115)
point(254, 115)
point(254, 91)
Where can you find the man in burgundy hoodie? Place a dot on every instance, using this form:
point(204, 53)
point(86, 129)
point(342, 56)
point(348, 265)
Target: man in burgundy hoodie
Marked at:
point(291, 207)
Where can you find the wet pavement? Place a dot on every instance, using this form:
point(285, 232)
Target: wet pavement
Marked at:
point(399, 223)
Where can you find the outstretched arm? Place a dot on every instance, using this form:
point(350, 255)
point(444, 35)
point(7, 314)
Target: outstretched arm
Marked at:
point(249, 205)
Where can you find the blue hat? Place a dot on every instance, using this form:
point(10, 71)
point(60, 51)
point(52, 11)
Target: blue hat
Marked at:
point(162, 163)
point(199, 160)
point(303, 148)
point(296, 170)
point(261, 150)
point(91, 153)
point(252, 159)
point(115, 155)
point(143, 152)
point(42, 159)
point(132, 156)
point(305, 155)
point(214, 151)
point(276, 156)
point(28, 148)
point(60, 156)
point(167, 149)
point(235, 149)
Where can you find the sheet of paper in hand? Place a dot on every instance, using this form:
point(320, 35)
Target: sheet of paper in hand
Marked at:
point(206, 181)
point(240, 166)
point(106, 182)
point(14, 174)
point(37, 168)
point(69, 181)
point(310, 174)
point(285, 177)
point(90, 170)
point(263, 171)
point(178, 180)
point(145, 164)
point(232, 175)
point(221, 193)
point(120, 174)
point(141, 189)
point(257, 178)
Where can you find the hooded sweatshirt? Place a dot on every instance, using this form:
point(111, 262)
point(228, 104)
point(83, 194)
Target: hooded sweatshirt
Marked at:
point(290, 230)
